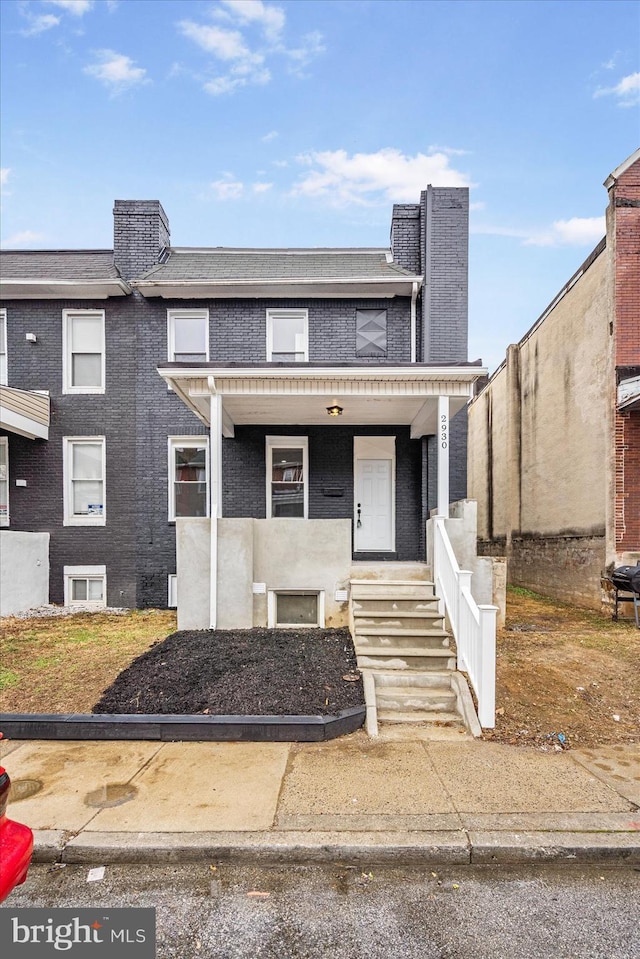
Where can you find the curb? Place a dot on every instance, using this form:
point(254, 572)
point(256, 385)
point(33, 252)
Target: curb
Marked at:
point(178, 728)
point(454, 847)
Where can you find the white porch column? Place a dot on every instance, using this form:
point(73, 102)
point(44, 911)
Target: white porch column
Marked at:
point(442, 437)
point(215, 500)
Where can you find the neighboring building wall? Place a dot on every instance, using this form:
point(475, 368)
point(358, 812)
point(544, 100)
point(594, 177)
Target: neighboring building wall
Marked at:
point(624, 229)
point(539, 445)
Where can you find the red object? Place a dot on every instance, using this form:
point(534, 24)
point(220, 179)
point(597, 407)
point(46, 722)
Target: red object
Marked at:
point(16, 844)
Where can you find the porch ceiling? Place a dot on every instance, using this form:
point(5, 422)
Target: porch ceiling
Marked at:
point(402, 396)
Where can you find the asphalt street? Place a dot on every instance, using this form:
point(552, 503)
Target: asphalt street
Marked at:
point(224, 911)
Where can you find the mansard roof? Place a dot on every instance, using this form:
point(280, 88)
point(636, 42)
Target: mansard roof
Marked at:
point(52, 274)
point(227, 272)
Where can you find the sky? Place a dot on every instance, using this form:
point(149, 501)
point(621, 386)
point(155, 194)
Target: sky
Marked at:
point(300, 123)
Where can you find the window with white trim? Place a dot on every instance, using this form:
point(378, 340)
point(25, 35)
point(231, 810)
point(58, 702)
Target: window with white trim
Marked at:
point(188, 476)
point(4, 480)
point(85, 586)
point(172, 590)
point(83, 351)
point(295, 607)
point(4, 373)
point(188, 336)
point(287, 336)
point(287, 459)
point(84, 480)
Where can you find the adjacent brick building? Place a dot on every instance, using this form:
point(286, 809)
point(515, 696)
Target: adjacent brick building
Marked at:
point(319, 364)
point(554, 450)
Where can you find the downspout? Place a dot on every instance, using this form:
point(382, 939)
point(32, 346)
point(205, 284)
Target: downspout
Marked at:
point(215, 470)
point(414, 326)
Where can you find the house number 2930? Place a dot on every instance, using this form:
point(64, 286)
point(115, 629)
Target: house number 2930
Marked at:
point(444, 431)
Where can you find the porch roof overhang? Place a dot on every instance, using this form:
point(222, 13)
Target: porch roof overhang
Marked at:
point(24, 412)
point(275, 395)
point(62, 289)
point(376, 287)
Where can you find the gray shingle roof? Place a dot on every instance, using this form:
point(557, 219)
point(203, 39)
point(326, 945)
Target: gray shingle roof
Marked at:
point(57, 265)
point(238, 265)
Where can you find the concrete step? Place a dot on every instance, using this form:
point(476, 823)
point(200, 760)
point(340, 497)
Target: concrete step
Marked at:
point(436, 699)
point(392, 633)
point(395, 589)
point(420, 716)
point(413, 679)
point(367, 614)
point(377, 605)
point(437, 639)
point(361, 570)
point(372, 657)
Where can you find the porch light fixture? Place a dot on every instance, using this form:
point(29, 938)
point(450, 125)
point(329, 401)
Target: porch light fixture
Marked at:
point(334, 410)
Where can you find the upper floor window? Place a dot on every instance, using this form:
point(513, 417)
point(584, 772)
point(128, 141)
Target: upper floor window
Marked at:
point(371, 332)
point(287, 336)
point(83, 351)
point(188, 336)
point(4, 481)
point(3, 348)
point(188, 471)
point(84, 480)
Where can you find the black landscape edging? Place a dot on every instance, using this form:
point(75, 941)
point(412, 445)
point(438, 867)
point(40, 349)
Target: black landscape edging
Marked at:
point(171, 728)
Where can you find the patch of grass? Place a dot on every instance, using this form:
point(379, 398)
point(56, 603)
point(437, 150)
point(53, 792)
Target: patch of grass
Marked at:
point(62, 664)
point(8, 678)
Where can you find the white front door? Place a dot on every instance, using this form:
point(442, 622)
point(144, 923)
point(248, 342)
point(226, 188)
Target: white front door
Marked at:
point(374, 504)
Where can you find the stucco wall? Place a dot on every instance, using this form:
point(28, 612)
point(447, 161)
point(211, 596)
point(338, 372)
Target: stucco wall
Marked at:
point(538, 445)
point(24, 571)
point(281, 554)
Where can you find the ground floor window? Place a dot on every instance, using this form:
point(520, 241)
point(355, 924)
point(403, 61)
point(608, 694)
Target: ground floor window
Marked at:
point(287, 476)
point(85, 586)
point(295, 607)
point(188, 475)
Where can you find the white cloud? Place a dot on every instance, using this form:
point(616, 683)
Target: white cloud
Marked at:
point(385, 176)
point(227, 188)
point(24, 238)
point(77, 8)
point(261, 187)
point(40, 24)
point(116, 71)
point(627, 91)
point(269, 136)
point(270, 18)
point(248, 34)
point(5, 173)
point(223, 44)
point(578, 231)
point(311, 47)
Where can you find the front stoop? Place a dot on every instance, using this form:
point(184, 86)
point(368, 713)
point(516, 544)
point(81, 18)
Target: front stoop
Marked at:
point(403, 651)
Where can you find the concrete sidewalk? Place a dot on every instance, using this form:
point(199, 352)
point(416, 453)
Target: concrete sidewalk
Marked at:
point(355, 799)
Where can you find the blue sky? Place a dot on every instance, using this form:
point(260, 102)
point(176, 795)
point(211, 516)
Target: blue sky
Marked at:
point(299, 123)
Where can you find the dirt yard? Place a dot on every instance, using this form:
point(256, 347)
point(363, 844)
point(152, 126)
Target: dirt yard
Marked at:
point(564, 671)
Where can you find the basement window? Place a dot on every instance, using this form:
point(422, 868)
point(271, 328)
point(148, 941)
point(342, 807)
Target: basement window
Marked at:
point(85, 586)
point(295, 607)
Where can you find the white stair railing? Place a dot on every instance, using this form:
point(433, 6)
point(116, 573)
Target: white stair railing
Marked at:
point(473, 626)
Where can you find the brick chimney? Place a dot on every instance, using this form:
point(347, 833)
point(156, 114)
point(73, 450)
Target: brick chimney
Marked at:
point(405, 235)
point(140, 234)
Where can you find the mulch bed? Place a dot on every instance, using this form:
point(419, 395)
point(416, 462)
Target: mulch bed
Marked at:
point(250, 672)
